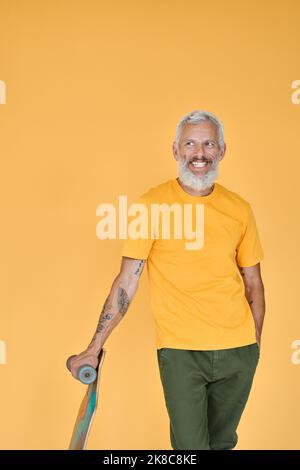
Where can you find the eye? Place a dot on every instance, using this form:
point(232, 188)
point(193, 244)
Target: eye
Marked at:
point(210, 143)
point(189, 142)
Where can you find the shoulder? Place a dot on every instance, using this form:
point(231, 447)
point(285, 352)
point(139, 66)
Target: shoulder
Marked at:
point(231, 197)
point(157, 192)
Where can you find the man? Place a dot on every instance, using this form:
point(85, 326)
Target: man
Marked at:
point(208, 303)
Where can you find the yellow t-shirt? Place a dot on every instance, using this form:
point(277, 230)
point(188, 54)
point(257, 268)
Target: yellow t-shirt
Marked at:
point(198, 296)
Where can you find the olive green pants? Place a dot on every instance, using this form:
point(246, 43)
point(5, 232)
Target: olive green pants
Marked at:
point(205, 394)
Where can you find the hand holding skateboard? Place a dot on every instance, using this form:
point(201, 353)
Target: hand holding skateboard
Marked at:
point(83, 367)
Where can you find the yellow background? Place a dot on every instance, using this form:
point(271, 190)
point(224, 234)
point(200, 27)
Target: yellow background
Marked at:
point(94, 92)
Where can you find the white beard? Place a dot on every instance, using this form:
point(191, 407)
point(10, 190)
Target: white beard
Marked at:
point(197, 183)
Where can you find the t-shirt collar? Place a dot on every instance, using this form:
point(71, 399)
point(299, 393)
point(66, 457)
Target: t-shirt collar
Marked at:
point(190, 197)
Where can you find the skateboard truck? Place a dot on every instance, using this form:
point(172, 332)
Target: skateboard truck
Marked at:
point(86, 374)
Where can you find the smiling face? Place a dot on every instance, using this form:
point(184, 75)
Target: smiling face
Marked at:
point(198, 154)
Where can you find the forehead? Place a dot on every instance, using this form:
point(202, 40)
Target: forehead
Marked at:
point(204, 129)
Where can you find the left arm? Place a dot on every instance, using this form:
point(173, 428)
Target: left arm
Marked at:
point(254, 291)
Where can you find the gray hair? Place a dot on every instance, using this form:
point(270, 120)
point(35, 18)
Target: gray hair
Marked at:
point(197, 116)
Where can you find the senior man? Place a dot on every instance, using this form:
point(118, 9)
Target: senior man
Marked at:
point(208, 303)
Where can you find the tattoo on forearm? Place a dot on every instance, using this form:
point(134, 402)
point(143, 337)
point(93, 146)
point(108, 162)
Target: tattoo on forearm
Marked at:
point(123, 300)
point(140, 267)
point(105, 316)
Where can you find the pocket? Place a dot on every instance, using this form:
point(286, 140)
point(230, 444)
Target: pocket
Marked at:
point(161, 353)
point(161, 361)
point(257, 350)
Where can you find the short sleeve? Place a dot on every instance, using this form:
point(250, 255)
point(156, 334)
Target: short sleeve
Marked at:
point(249, 250)
point(140, 247)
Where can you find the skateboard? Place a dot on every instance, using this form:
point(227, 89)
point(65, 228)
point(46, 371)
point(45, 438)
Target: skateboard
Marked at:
point(87, 375)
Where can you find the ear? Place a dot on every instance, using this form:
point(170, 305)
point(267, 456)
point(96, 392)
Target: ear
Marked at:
point(222, 154)
point(175, 152)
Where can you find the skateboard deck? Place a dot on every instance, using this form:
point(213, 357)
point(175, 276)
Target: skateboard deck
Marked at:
point(87, 411)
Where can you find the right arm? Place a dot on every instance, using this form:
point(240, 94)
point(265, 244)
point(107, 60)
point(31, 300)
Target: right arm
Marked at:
point(115, 306)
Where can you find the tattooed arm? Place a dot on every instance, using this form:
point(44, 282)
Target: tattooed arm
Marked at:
point(254, 291)
point(115, 306)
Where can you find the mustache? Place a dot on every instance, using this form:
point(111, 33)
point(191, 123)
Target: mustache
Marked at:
point(202, 159)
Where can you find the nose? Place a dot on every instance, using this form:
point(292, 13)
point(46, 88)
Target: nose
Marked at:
point(199, 151)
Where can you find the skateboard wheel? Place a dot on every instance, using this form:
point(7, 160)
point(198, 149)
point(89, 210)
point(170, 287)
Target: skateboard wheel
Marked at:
point(87, 374)
point(69, 361)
